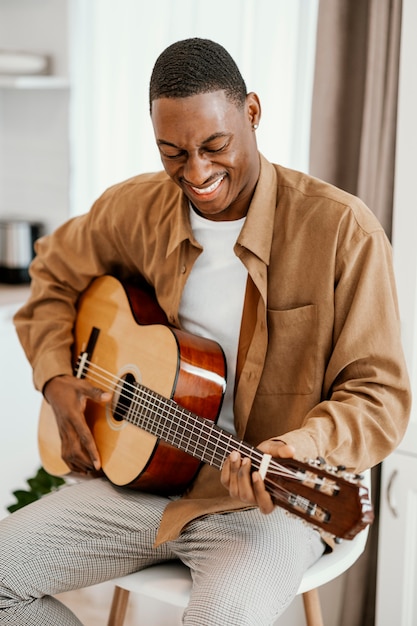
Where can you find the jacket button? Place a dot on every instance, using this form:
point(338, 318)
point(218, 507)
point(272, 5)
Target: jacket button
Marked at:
point(183, 268)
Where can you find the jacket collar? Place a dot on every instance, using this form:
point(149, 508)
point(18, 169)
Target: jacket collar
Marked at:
point(256, 234)
point(181, 229)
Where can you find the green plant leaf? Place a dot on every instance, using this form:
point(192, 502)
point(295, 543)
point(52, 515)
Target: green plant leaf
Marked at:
point(23, 498)
point(40, 484)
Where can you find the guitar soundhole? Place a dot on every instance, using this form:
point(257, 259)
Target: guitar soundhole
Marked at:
point(125, 397)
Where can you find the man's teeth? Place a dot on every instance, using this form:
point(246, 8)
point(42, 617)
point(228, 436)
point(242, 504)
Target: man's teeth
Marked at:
point(209, 189)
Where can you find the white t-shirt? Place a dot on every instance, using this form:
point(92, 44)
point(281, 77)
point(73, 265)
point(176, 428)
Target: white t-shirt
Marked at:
point(212, 301)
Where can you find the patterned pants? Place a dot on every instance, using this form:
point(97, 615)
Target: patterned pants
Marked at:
point(246, 566)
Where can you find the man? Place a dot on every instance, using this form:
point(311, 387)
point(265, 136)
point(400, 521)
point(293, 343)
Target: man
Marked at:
point(291, 276)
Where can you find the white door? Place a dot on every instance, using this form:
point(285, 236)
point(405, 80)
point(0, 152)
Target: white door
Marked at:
point(397, 552)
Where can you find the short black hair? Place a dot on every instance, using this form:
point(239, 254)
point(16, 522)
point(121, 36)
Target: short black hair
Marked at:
point(194, 66)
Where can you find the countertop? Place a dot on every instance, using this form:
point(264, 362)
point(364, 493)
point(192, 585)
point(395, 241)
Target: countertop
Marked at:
point(13, 295)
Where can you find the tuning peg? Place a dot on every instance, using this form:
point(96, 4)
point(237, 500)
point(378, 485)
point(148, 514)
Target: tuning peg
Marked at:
point(317, 462)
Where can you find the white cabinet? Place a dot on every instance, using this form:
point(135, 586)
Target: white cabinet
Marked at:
point(397, 563)
point(20, 405)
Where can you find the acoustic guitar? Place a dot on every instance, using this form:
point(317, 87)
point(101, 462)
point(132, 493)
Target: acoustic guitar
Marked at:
point(167, 388)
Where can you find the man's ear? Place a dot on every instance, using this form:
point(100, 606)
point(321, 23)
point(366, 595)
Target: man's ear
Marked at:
point(253, 107)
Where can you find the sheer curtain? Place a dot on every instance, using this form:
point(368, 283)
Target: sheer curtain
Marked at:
point(115, 44)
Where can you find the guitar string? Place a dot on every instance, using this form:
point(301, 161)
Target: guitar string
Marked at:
point(115, 383)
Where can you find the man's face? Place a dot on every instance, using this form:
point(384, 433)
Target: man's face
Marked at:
point(208, 148)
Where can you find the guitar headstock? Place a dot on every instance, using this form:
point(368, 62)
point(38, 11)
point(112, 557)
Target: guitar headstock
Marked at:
point(327, 497)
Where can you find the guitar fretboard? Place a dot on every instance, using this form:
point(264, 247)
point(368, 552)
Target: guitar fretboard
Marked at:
point(175, 425)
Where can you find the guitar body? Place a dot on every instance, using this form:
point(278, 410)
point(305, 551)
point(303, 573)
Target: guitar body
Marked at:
point(126, 335)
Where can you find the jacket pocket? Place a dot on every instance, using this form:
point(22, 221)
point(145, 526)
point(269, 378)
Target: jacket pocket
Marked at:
point(290, 363)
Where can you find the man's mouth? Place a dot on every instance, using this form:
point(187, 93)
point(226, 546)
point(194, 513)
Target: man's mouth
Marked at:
point(204, 191)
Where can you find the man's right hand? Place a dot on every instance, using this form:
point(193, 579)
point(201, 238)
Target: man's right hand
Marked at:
point(68, 397)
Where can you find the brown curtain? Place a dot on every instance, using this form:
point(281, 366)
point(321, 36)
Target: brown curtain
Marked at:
point(353, 146)
point(355, 99)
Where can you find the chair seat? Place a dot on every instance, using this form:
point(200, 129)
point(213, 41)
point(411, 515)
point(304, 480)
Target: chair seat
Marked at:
point(333, 564)
point(169, 582)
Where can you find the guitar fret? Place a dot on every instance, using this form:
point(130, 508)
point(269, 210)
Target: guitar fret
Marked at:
point(155, 408)
point(181, 442)
point(206, 444)
point(203, 442)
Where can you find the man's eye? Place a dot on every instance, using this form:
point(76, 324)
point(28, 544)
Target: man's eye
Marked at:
point(217, 149)
point(171, 155)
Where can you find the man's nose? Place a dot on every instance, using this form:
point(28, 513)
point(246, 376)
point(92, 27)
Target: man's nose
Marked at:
point(197, 169)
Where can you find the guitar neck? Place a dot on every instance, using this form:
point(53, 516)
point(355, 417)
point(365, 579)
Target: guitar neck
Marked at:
point(200, 438)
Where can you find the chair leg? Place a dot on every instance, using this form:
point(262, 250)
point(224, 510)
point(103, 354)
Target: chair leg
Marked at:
point(118, 607)
point(312, 608)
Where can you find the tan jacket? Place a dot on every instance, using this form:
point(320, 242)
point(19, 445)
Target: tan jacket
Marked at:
point(320, 360)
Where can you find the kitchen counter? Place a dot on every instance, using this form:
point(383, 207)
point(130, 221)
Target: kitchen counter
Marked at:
point(13, 295)
point(19, 456)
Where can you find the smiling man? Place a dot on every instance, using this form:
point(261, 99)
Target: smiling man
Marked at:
point(292, 277)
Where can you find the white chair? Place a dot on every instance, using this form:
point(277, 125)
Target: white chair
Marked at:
point(171, 582)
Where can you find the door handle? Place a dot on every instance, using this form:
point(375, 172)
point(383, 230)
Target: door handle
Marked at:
point(392, 505)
